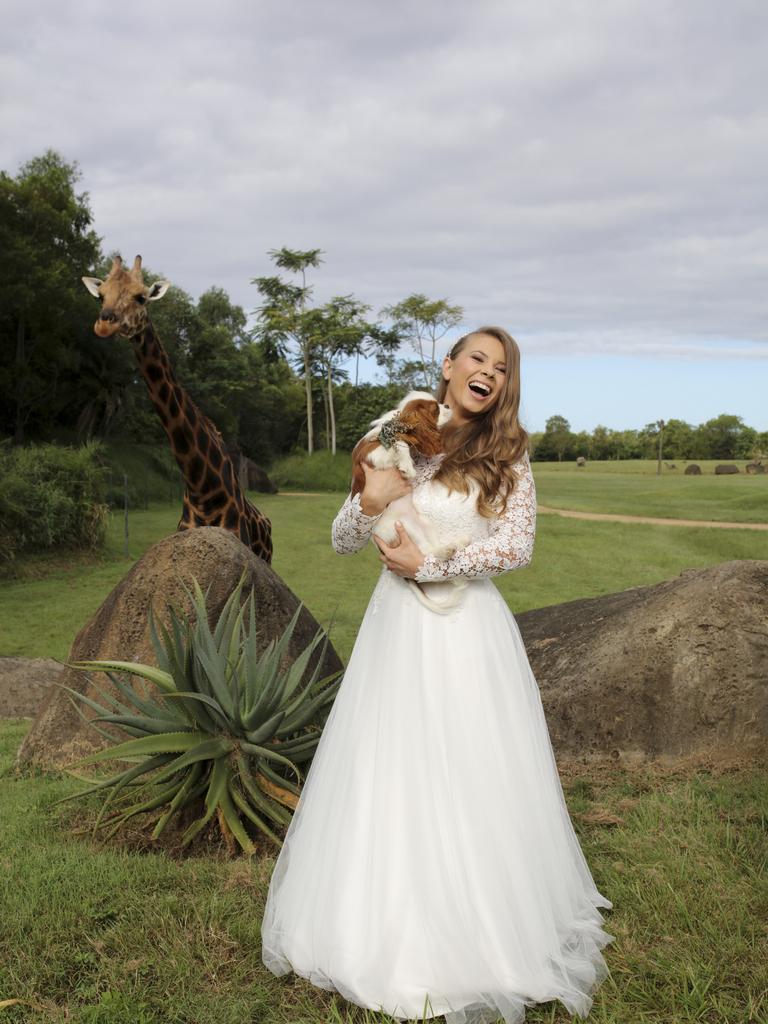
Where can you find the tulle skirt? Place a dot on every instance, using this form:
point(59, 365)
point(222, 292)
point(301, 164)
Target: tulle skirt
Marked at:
point(431, 866)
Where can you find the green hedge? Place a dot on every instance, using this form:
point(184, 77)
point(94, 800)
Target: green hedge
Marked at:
point(51, 496)
point(320, 471)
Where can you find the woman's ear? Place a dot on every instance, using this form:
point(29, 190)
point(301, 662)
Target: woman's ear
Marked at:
point(447, 368)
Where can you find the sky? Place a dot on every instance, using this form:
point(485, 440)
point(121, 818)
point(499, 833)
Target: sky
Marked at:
point(589, 175)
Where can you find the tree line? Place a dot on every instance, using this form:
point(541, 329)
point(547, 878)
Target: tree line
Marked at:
point(722, 437)
point(286, 382)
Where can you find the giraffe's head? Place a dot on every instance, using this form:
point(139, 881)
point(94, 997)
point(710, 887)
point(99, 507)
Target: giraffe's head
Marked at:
point(124, 298)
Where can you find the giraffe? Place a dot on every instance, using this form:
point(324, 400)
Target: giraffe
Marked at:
point(212, 495)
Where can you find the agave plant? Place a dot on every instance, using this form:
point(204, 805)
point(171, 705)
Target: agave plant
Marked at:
point(222, 726)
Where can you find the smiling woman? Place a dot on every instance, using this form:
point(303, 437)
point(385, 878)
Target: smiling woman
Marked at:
point(481, 374)
point(430, 866)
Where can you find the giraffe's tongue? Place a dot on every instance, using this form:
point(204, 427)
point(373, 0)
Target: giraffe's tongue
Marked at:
point(104, 329)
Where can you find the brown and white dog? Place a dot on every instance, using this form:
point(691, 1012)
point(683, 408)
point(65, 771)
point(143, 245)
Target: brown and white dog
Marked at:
point(413, 427)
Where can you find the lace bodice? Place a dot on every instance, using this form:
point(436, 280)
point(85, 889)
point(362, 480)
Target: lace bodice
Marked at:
point(508, 540)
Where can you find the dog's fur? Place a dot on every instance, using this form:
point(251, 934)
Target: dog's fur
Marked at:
point(415, 427)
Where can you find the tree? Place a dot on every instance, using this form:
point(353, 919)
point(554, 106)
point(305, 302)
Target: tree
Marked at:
point(46, 244)
point(383, 343)
point(335, 332)
point(423, 322)
point(557, 437)
point(359, 406)
point(679, 440)
point(725, 437)
point(282, 315)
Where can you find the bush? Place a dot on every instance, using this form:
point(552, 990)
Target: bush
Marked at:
point(223, 723)
point(51, 496)
point(320, 471)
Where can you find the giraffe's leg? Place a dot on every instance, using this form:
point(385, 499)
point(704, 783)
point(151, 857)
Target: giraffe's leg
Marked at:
point(187, 516)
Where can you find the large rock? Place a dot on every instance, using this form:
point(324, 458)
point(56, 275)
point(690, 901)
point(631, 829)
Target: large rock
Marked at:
point(24, 685)
point(120, 628)
point(675, 669)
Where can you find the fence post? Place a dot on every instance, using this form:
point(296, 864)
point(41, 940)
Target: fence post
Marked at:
point(125, 514)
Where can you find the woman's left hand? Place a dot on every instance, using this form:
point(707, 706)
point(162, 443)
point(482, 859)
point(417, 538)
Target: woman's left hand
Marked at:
point(403, 557)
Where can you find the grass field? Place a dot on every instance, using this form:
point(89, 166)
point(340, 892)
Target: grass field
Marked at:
point(42, 611)
point(124, 934)
point(118, 934)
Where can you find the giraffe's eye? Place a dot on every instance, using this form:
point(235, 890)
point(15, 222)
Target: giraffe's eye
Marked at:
point(141, 299)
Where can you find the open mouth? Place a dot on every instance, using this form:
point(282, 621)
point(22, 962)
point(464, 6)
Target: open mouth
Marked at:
point(479, 389)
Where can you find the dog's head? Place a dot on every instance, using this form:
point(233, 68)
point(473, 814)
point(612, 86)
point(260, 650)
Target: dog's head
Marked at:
point(419, 419)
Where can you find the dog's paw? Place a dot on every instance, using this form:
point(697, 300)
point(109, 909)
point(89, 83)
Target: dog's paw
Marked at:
point(450, 549)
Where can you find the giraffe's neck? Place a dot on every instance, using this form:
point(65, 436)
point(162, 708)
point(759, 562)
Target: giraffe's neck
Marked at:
point(195, 444)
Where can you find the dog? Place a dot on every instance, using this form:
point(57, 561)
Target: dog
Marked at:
point(413, 427)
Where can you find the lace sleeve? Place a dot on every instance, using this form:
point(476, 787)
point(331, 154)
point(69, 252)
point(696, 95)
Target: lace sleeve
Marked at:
point(351, 529)
point(509, 544)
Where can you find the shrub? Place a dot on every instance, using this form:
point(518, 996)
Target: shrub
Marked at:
point(320, 471)
point(51, 496)
point(224, 724)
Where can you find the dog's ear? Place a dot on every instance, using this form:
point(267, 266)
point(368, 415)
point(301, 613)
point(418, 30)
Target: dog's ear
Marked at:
point(426, 409)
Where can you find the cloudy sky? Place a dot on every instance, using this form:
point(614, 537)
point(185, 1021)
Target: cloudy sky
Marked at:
point(590, 175)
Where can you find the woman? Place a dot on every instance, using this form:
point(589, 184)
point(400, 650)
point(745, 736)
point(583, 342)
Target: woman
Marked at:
point(431, 866)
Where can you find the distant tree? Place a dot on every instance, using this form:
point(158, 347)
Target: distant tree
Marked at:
point(578, 444)
point(601, 444)
point(46, 244)
point(282, 316)
point(679, 440)
point(406, 375)
point(725, 437)
point(359, 406)
point(556, 440)
point(383, 343)
point(336, 332)
point(422, 322)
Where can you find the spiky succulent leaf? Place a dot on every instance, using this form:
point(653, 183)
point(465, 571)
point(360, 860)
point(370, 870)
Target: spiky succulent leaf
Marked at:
point(221, 702)
point(169, 743)
point(162, 680)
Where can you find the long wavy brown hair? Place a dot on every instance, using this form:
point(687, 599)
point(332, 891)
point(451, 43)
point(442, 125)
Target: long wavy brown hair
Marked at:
point(486, 448)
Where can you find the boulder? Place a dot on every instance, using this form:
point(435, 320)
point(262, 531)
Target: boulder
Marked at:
point(258, 479)
point(250, 476)
point(675, 669)
point(693, 469)
point(24, 685)
point(726, 469)
point(120, 628)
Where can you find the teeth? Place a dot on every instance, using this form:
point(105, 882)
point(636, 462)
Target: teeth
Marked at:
point(479, 384)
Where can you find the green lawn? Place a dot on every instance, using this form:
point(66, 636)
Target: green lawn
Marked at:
point(119, 934)
point(572, 558)
point(605, 487)
point(124, 934)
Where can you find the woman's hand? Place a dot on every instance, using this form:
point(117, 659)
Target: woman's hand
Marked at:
point(403, 557)
point(381, 487)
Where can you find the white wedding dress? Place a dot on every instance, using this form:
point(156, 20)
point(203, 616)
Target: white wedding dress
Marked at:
point(431, 866)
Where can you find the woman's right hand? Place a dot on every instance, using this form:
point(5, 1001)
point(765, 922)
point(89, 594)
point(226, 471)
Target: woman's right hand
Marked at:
point(381, 487)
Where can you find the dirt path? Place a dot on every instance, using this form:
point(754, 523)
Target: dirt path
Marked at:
point(609, 517)
point(615, 518)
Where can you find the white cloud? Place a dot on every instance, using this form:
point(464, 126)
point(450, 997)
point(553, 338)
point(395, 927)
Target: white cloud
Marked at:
point(590, 175)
